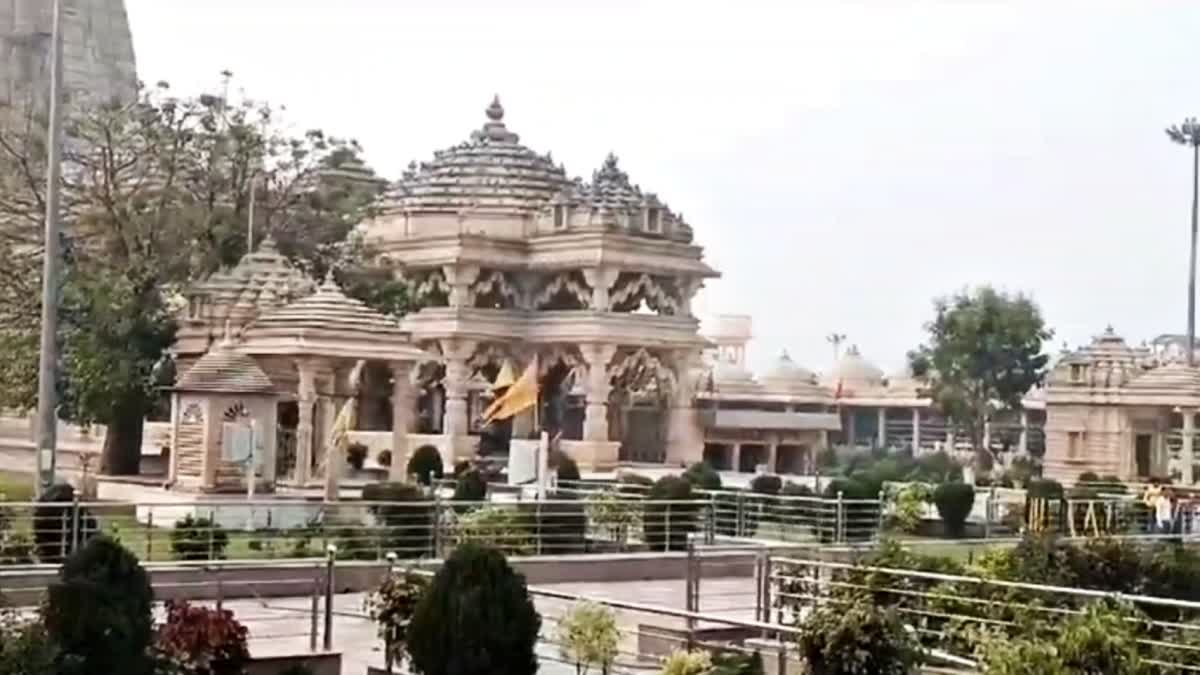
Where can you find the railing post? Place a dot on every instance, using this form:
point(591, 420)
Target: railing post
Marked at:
point(149, 532)
point(766, 589)
point(839, 526)
point(759, 584)
point(75, 522)
point(220, 585)
point(330, 556)
point(436, 526)
point(882, 514)
point(212, 525)
point(989, 508)
point(710, 524)
point(740, 517)
point(691, 602)
point(316, 602)
point(537, 527)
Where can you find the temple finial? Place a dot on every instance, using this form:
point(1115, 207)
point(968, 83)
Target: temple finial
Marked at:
point(330, 284)
point(495, 111)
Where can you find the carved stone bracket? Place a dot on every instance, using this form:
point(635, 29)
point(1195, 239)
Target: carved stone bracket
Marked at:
point(688, 287)
point(601, 280)
point(431, 288)
point(459, 278)
point(641, 370)
point(599, 380)
point(489, 353)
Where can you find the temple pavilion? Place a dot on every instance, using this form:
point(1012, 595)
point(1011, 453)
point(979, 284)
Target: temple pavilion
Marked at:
point(510, 260)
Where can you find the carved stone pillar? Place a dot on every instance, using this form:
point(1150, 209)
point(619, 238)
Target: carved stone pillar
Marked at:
point(881, 427)
point(1187, 453)
point(325, 415)
point(601, 280)
point(1023, 439)
point(403, 415)
point(916, 431)
point(595, 423)
point(306, 394)
point(685, 439)
point(688, 288)
point(459, 278)
point(456, 353)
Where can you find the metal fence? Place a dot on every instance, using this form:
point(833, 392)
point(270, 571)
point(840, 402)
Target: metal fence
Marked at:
point(938, 607)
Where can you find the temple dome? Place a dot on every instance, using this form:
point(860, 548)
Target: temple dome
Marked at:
point(491, 171)
point(786, 377)
point(223, 370)
point(853, 369)
point(733, 378)
point(611, 201)
point(1107, 362)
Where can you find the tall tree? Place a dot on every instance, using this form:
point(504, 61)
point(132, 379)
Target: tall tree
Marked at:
point(156, 195)
point(983, 353)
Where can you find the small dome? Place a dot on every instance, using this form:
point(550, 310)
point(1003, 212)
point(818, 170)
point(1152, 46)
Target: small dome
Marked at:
point(853, 369)
point(491, 171)
point(1107, 362)
point(732, 378)
point(223, 370)
point(261, 280)
point(327, 309)
point(785, 372)
point(612, 201)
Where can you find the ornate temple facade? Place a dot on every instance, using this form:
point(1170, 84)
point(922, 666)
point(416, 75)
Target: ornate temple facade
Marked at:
point(509, 261)
point(1122, 411)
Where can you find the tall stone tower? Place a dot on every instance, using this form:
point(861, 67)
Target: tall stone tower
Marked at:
point(98, 61)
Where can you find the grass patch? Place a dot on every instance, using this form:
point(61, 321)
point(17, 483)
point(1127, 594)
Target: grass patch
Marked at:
point(16, 487)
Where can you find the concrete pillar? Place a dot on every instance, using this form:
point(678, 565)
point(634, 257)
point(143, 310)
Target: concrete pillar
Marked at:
point(596, 391)
point(851, 431)
point(881, 427)
point(735, 457)
point(772, 456)
point(1187, 454)
point(685, 438)
point(403, 416)
point(1023, 439)
point(916, 431)
point(326, 414)
point(306, 395)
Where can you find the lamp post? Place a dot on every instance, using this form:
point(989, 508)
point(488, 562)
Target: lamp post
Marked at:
point(47, 441)
point(1188, 134)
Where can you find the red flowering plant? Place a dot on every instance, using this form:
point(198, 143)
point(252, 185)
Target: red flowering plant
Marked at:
point(203, 641)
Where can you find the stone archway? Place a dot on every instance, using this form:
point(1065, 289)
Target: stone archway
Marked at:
point(639, 403)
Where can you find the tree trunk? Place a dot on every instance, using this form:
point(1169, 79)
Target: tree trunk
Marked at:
point(122, 455)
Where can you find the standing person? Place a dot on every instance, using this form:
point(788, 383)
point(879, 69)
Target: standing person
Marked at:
point(1164, 511)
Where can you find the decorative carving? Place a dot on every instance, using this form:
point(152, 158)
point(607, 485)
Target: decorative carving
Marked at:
point(631, 290)
point(492, 290)
point(193, 414)
point(566, 355)
point(235, 412)
point(643, 372)
point(566, 290)
point(488, 354)
point(430, 288)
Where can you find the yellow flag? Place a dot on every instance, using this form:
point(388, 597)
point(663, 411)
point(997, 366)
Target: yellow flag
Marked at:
point(522, 395)
point(505, 377)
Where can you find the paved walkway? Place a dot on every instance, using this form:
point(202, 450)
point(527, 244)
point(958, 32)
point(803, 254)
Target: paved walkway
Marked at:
point(284, 625)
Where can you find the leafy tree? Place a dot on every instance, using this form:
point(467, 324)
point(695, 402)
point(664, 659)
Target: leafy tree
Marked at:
point(984, 349)
point(476, 618)
point(156, 195)
point(859, 639)
point(98, 613)
point(198, 539)
point(588, 636)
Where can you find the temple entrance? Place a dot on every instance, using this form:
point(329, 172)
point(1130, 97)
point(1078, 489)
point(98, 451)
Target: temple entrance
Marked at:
point(751, 456)
point(288, 417)
point(1143, 454)
point(717, 455)
point(638, 406)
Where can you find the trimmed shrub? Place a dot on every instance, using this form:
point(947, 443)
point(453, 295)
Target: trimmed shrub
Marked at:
point(791, 489)
point(356, 455)
point(471, 487)
point(859, 639)
point(634, 483)
point(737, 663)
point(560, 523)
point(426, 465)
point(503, 527)
point(761, 504)
point(407, 516)
point(98, 613)
point(198, 539)
point(588, 636)
point(1088, 477)
point(203, 640)
point(667, 526)
point(566, 468)
point(766, 484)
point(703, 476)
point(861, 513)
point(25, 649)
point(56, 527)
point(476, 618)
point(384, 458)
point(954, 502)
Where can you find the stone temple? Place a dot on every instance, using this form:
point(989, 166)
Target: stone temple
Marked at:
point(98, 60)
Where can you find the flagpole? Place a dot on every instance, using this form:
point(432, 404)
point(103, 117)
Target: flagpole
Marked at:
point(47, 440)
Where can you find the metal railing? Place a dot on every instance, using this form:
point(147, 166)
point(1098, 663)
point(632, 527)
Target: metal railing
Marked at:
point(938, 606)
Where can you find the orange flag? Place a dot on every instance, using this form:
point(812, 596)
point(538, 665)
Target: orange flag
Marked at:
point(522, 395)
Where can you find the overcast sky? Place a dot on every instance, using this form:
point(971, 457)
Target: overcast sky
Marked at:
point(843, 163)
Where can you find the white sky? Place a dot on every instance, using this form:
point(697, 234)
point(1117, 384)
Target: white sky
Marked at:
point(843, 162)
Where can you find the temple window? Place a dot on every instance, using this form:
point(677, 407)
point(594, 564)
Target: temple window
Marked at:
point(1077, 372)
point(652, 220)
point(1074, 444)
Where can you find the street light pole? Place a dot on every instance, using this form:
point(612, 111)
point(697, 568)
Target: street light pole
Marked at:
point(47, 441)
point(1188, 134)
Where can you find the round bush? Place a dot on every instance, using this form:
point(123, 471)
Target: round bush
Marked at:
point(566, 468)
point(56, 526)
point(210, 641)
point(471, 487)
point(954, 502)
point(356, 455)
point(98, 613)
point(857, 640)
point(476, 618)
point(425, 464)
point(198, 539)
point(667, 526)
point(702, 476)
point(384, 458)
point(406, 516)
point(634, 483)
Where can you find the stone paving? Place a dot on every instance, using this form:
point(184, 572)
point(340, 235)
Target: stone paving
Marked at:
point(283, 625)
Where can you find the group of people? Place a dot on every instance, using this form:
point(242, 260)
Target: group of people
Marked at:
point(1172, 512)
